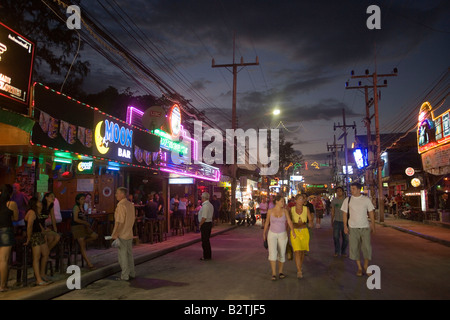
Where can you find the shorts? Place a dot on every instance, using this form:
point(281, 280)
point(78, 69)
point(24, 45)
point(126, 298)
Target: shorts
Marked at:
point(319, 214)
point(301, 241)
point(81, 231)
point(264, 215)
point(7, 238)
point(359, 240)
point(37, 239)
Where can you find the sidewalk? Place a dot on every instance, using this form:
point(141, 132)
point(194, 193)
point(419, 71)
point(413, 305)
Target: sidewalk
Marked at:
point(107, 264)
point(431, 230)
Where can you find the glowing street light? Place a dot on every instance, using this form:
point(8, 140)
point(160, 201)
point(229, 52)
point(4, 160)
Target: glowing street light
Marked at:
point(276, 112)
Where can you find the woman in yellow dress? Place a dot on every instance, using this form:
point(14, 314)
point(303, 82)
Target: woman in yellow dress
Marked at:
point(300, 216)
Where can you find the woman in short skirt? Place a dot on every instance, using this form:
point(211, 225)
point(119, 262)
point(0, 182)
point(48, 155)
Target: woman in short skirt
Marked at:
point(36, 239)
point(81, 229)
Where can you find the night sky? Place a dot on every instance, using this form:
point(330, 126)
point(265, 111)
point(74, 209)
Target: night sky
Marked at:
point(306, 50)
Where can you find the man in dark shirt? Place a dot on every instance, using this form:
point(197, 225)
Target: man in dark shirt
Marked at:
point(151, 209)
point(308, 204)
point(216, 204)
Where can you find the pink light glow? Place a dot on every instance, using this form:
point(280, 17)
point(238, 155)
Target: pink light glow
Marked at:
point(192, 175)
point(130, 111)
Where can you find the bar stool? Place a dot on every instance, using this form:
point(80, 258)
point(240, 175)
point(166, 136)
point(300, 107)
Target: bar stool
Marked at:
point(21, 259)
point(178, 222)
point(161, 234)
point(149, 228)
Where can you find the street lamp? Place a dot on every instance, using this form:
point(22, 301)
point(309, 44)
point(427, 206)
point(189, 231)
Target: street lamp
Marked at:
point(276, 112)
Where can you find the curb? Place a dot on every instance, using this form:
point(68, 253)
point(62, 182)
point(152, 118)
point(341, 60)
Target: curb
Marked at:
point(60, 288)
point(418, 234)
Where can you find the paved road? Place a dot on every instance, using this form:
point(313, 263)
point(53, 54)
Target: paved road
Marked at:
point(411, 268)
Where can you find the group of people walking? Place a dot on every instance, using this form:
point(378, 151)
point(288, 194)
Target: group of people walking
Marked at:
point(352, 219)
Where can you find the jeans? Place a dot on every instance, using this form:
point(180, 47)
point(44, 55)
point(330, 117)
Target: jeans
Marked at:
point(338, 231)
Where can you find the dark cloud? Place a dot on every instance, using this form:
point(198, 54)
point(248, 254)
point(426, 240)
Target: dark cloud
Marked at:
point(200, 84)
point(320, 34)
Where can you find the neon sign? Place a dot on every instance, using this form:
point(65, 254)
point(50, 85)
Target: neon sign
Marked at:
point(168, 143)
point(85, 167)
point(175, 120)
point(116, 141)
point(16, 65)
point(432, 132)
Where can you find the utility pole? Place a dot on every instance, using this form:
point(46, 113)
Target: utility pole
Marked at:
point(378, 162)
point(334, 153)
point(344, 128)
point(234, 67)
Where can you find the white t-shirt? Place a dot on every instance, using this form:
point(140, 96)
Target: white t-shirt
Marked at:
point(359, 207)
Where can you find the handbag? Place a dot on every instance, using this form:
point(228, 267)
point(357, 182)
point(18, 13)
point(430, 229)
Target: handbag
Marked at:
point(266, 245)
point(289, 252)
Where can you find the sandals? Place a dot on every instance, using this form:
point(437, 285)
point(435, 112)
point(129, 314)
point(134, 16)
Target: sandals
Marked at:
point(274, 278)
point(281, 276)
point(299, 275)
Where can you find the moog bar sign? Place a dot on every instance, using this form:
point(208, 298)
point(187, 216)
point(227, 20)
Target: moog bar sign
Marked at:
point(113, 140)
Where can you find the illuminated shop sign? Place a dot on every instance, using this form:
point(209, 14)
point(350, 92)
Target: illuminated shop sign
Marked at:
point(432, 131)
point(16, 65)
point(181, 180)
point(113, 139)
point(85, 167)
point(175, 120)
point(361, 158)
point(409, 171)
point(415, 182)
point(169, 144)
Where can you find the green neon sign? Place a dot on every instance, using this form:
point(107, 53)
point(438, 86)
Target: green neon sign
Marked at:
point(168, 143)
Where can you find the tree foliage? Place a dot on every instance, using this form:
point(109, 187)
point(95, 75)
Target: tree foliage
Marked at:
point(56, 45)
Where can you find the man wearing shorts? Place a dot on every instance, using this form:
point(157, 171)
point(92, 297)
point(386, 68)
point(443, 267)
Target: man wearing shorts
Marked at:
point(359, 228)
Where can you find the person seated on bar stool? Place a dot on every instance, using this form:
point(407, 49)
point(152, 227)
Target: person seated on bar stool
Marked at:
point(150, 210)
point(240, 216)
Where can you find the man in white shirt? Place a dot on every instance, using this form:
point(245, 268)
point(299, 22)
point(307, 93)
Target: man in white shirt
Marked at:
point(359, 228)
point(205, 216)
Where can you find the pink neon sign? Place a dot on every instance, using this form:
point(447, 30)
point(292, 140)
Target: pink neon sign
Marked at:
point(133, 113)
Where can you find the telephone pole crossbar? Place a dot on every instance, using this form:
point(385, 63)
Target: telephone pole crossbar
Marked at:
point(378, 163)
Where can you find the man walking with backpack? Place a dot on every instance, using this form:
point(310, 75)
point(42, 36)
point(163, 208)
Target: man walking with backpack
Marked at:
point(357, 225)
